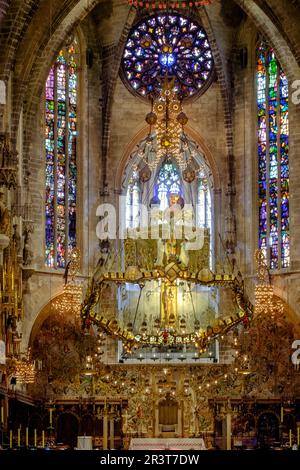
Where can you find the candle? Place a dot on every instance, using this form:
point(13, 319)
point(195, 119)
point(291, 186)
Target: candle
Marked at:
point(19, 437)
point(35, 438)
point(2, 414)
point(10, 439)
point(50, 416)
point(281, 414)
point(298, 436)
point(291, 438)
point(43, 439)
point(26, 437)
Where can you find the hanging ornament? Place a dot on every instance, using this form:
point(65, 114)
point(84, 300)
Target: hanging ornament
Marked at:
point(151, 118)
point(189, 175)
point(145, 174)
point(168, 120)
point(182, 118)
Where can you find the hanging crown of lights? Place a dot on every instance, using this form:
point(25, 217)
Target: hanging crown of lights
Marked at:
point(70, 300)
point(168, 4)
point(265, 301)
point(24, 369)
point(168, 120)
point(25, 372)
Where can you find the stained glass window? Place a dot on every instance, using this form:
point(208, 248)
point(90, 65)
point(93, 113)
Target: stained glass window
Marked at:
point(273, 158)
point(60, 149)
point(167, 44)
point(168, 183)
point(133, 202)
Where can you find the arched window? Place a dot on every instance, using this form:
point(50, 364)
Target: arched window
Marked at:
point(204, 201)
point(273, 158)
point(60, 150)
point(168, 183)
point(133, 200)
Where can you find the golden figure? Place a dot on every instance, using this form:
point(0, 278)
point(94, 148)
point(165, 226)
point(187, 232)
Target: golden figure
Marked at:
point(168, 304)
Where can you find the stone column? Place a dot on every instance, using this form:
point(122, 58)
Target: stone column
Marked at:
point(112, 433)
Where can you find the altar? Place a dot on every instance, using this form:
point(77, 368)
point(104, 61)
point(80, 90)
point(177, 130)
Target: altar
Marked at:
point(181, 444)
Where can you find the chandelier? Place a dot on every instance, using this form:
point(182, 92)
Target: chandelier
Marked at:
point(70, 300)
point(168, 4)
point(165, 336)
point(23, 369)
point(167, 119)
point(265, 301)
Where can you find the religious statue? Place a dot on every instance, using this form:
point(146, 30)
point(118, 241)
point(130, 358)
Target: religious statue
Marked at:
point(4, 151)
point(169, 304)
point(4, 215)
point(17, 239)
point(27, 253)
point(167, 251)
point(105, 250)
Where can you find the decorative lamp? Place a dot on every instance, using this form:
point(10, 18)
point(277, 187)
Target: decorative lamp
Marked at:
point(189, 175)
point(151, 118)
point(145, 174)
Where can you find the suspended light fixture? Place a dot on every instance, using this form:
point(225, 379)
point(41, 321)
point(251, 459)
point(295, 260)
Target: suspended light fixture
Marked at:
point(167, 120)
point(70, 300)
point(23, 369)
point(153, 4)
point(266, 302)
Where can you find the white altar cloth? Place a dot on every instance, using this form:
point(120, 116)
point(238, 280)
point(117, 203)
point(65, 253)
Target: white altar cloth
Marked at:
point(84, 443)
point(167, 444)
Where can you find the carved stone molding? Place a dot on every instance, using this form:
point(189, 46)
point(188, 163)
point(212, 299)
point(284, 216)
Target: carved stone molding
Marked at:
point(8, 163)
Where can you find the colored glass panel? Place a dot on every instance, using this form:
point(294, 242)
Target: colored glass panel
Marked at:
point(168, 183)
point(50, 184)
point(273, 158)
point(72, 134)
point(61, 169)
point(167, 44)
point(262, 147)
